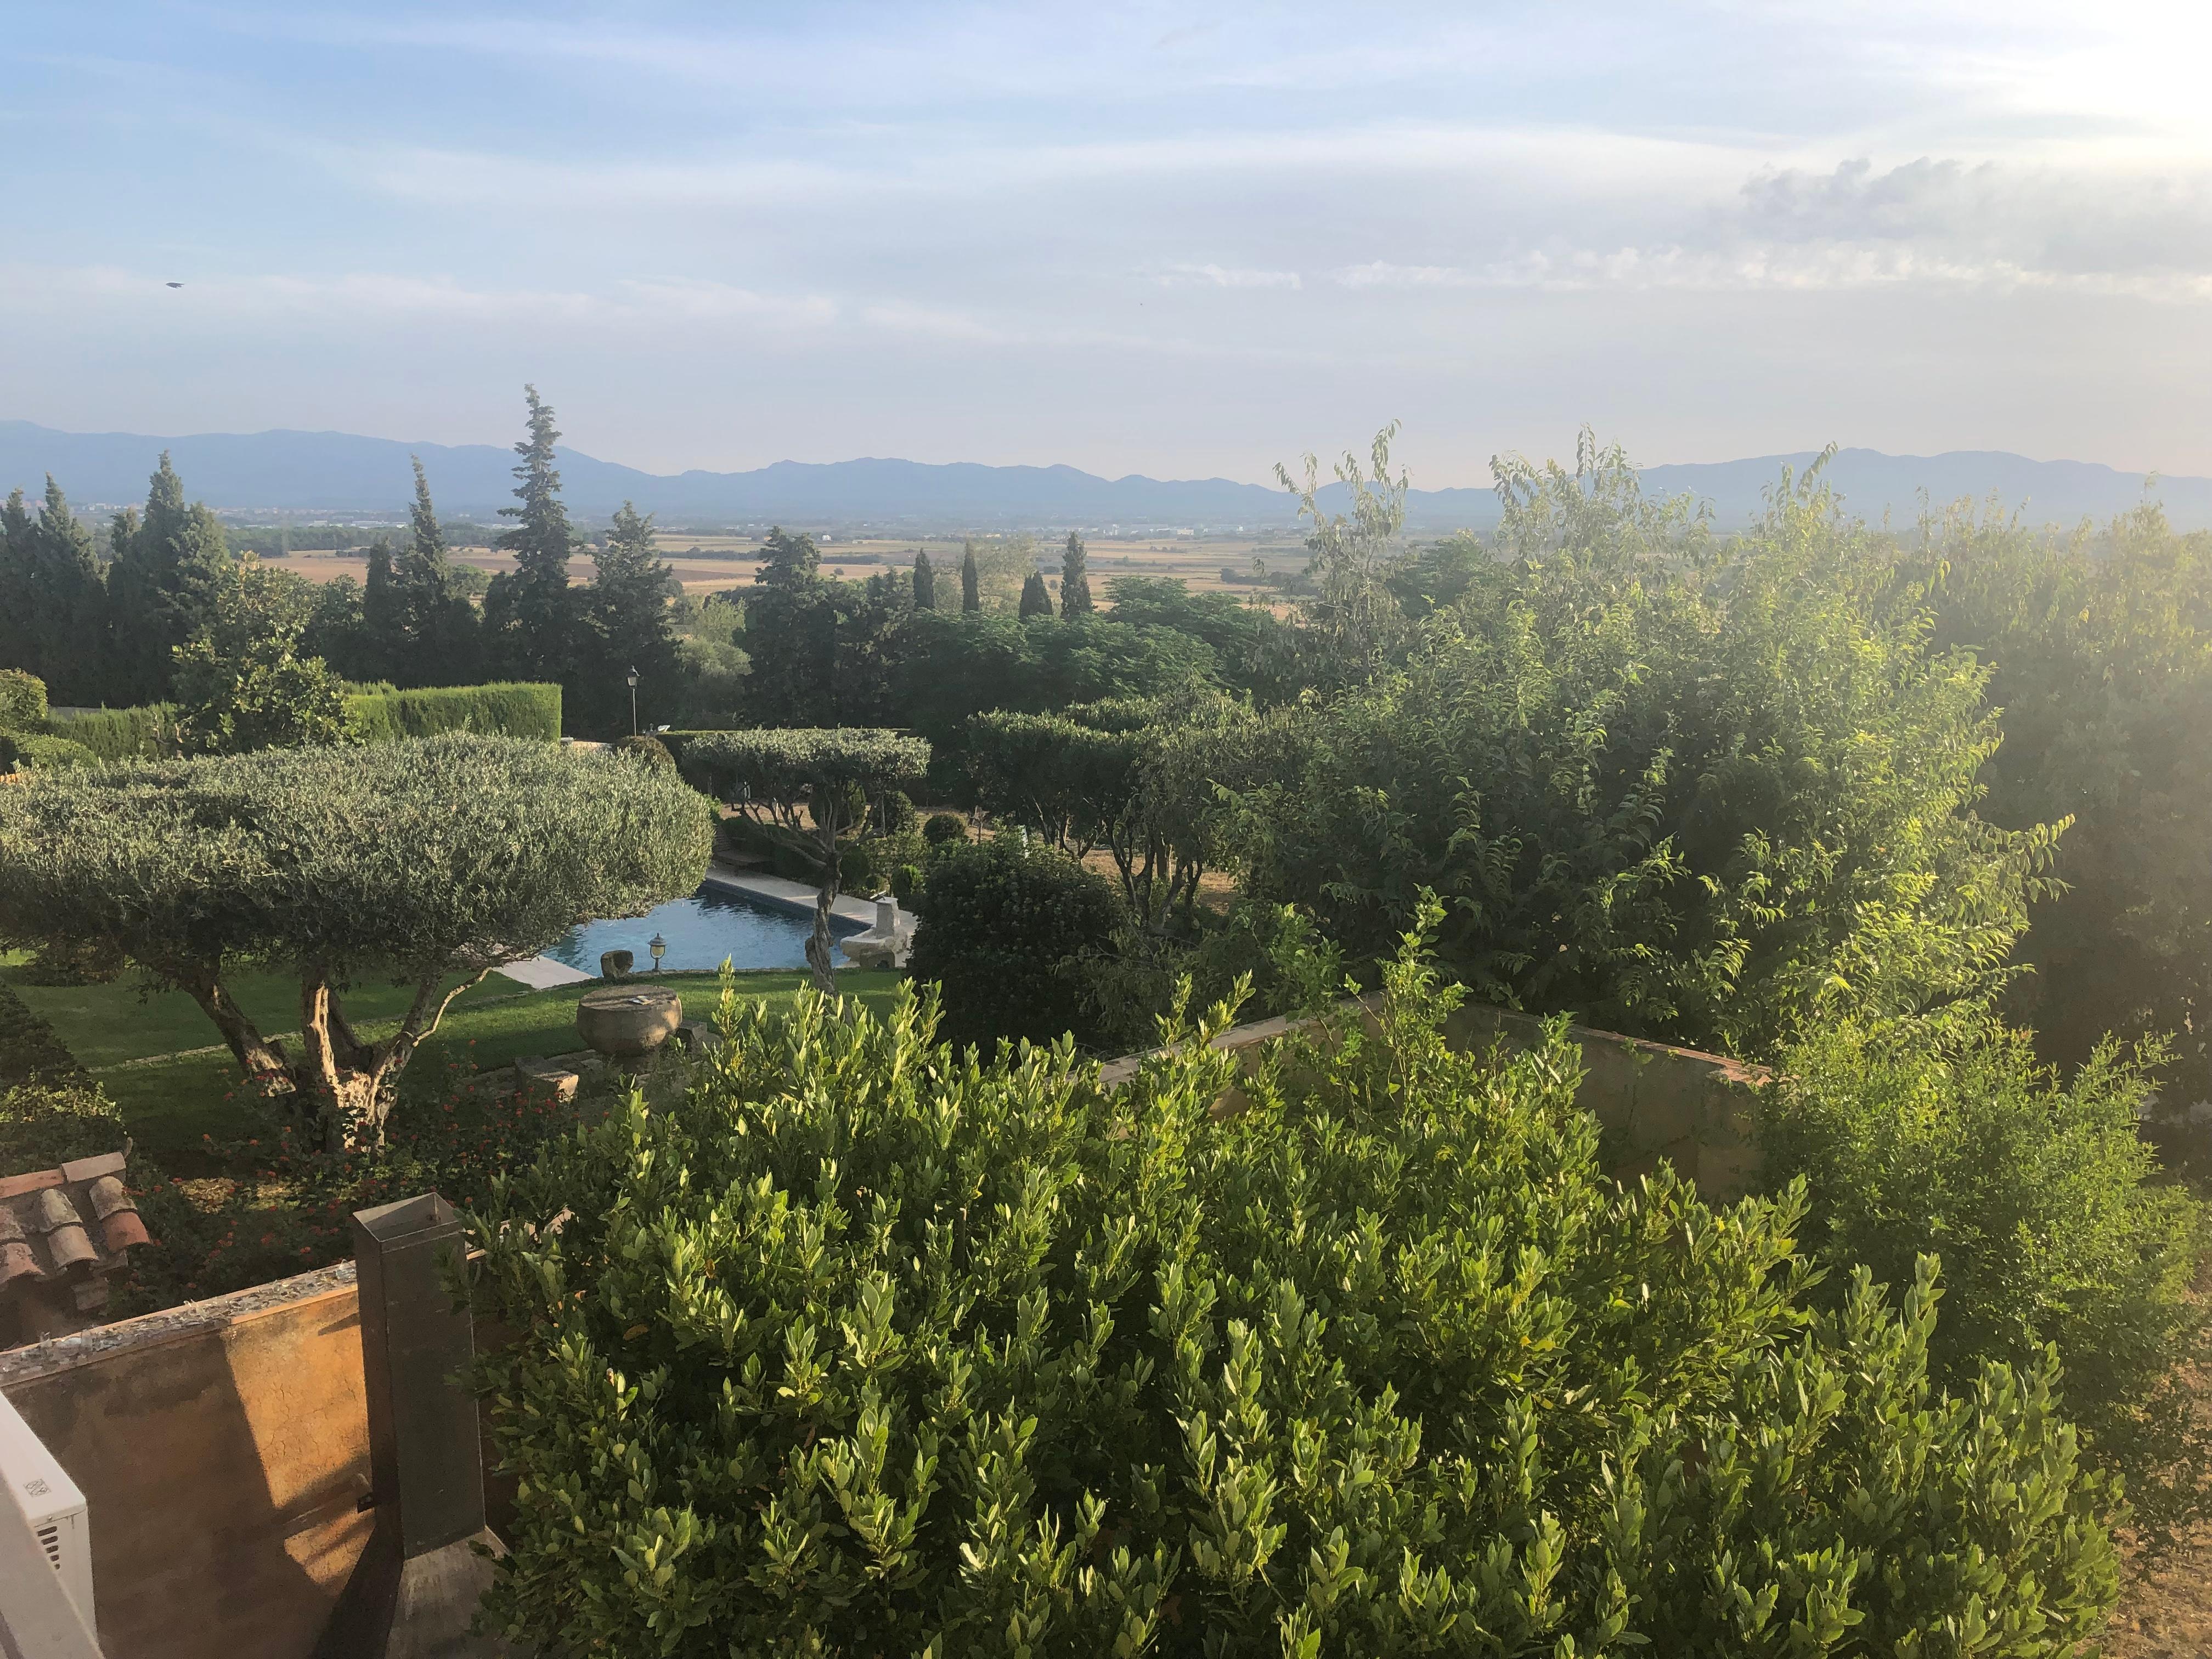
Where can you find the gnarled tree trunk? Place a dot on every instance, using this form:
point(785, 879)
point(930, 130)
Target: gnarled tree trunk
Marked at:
point(820, 942)
point(338, 1083)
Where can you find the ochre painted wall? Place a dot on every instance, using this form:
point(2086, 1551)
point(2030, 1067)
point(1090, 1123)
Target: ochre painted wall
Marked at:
point(222, 1449)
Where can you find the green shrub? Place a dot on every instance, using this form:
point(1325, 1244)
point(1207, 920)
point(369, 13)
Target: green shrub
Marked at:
point(29, 1050)
point(46, 1123)
point(34, 751)
point(865, 1348)
point(503, 708)
point(22, 702)
point(943, 827)
point(648, 749)
point(146, 732)
point(895, 814)
point(906, 882)
point(2044, 1204)
point(1006, 931)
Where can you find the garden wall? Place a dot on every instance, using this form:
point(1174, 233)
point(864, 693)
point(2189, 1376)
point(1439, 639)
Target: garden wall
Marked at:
point(1697, 1111)
point(222, 1450)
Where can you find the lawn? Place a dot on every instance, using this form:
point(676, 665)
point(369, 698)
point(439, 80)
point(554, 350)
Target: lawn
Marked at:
point(157, 1058)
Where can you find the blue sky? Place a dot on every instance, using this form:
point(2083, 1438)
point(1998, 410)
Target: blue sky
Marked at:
point(1181, 240)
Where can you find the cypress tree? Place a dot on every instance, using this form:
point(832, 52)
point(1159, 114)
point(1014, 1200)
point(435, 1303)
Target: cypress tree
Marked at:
point(1036, 602)
point(1075, 579)
point(971, 582)
point(383, 616)
point(629, 614)
point(531, 611)
point(68, 604)
point(171, 570)
point(925, 582)
point(440, 622)
point(791, 634)
point(17, 618)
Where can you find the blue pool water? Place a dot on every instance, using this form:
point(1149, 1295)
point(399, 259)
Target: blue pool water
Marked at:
point(701, 931)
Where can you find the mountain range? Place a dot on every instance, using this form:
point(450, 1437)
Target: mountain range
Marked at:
point(323, 473)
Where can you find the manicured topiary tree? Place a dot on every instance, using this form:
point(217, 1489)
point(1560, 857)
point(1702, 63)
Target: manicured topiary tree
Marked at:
point(832, 773)
point(868, 1349)
point(417, 861)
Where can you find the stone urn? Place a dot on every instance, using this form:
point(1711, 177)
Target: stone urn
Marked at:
point(616, 964)
point(626, 1021)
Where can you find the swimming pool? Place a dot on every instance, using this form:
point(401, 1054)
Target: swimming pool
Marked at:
point(701, 931)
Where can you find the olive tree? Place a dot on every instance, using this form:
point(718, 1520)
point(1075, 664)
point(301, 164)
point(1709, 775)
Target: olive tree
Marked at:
point(832, 772)
point(417, 861)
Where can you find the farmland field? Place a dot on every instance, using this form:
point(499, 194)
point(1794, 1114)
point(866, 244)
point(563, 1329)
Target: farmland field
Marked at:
point(704, 562)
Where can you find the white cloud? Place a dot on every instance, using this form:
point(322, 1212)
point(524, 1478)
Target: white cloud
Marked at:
point(1212, 275)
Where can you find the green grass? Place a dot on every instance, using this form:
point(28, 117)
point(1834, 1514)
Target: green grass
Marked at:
point(153, 1053)
point(104, 1024)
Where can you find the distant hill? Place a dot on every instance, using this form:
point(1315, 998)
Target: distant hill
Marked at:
point(336, 472)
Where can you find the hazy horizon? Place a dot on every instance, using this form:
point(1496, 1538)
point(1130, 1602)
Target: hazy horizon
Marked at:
point(1138, 240)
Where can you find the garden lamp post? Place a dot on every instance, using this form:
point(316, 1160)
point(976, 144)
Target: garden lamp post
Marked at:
point(633, 703)
point(658, 946)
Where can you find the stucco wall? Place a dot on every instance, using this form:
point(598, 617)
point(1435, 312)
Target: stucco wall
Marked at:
point(222, 1449)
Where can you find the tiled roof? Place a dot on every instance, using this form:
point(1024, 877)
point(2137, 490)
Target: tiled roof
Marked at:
point(76, 1217)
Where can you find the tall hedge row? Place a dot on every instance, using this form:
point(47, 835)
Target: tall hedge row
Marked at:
point(513, 709)
point(145, 733)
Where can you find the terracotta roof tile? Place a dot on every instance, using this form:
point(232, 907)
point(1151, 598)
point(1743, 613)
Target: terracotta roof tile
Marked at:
point(122, 1230)
point(16, 1261)
point(75, 1224)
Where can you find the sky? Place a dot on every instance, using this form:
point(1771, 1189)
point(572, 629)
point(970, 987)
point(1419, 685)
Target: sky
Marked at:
point(1187, 241)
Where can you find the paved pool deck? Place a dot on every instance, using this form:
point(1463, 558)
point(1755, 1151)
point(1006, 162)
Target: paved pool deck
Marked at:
point(792, 897)
point(771, 892)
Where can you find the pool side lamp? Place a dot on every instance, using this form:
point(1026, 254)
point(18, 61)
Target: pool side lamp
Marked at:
point(658, 946)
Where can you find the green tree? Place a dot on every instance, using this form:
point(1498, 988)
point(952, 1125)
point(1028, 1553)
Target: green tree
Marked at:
point(337, 630)
point(830, 776)
point(1036, 602)
point(629, 614)
point(415, 861)
point(432, 632)
point(791, 634)
point(1352, 628)
point(1705, 806)
point(925, 582)
point(69, 601)
point(383, 614)
point(170, 569)
point(18, 622)
point(1075, 579)
point(241, 682)
point(2100, 647)
point(531, 613)
point(971, 582)
point(870, 1347)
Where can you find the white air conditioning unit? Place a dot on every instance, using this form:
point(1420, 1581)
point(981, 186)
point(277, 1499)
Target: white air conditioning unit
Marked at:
point(56, 1507)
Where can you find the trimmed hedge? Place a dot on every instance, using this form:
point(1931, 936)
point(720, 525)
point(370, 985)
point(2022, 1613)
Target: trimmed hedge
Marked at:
point(34, 751)
point(146, 732)
point(862, 1348)
point(504, 708)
